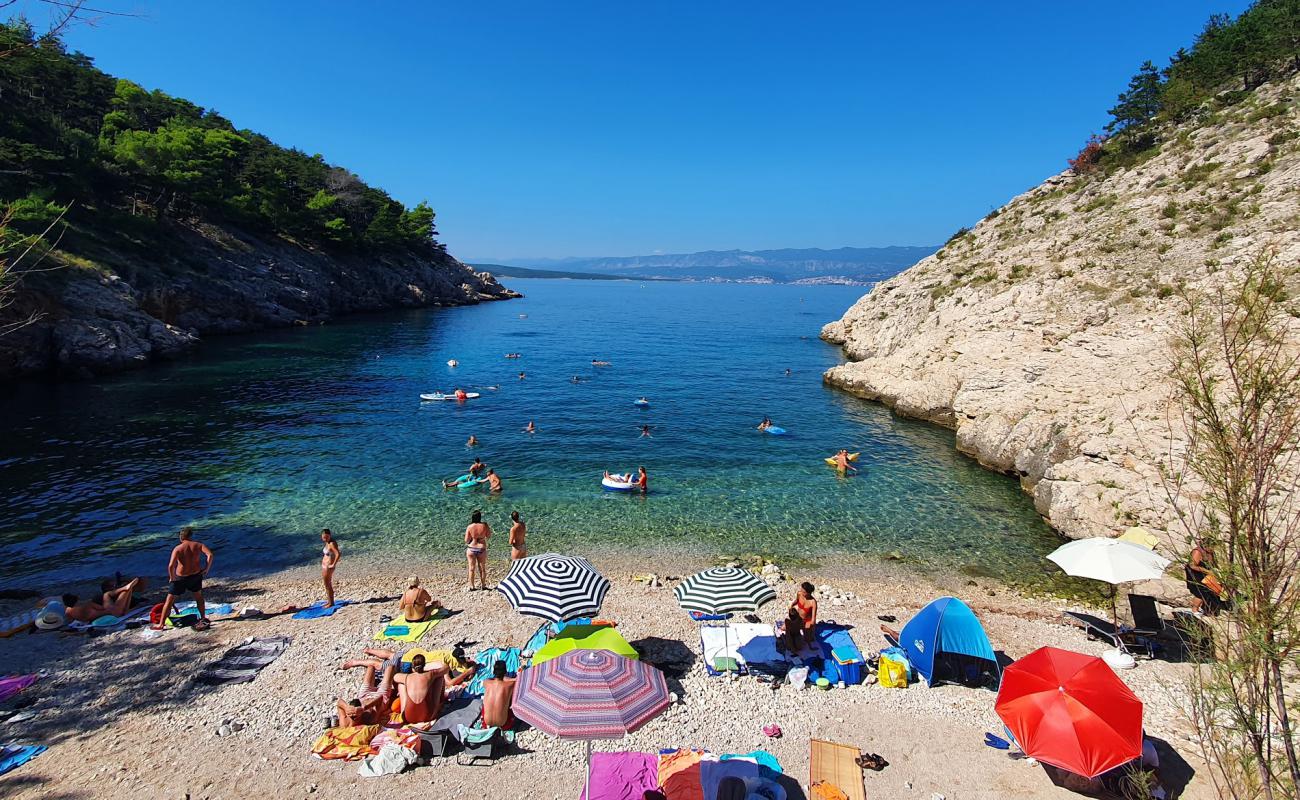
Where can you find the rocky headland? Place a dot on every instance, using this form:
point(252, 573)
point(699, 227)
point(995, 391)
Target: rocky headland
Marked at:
point(1042, 334)
point(102, 303)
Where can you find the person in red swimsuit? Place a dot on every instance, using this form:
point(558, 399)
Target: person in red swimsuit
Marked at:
point(642, 480)
point(806, 606)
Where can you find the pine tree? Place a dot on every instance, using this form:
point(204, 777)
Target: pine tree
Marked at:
point(1140, 103)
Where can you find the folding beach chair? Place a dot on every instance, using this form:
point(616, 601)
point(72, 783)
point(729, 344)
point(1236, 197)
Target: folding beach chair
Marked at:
point(484, 750)
point(837, 764)
point(1098, 628)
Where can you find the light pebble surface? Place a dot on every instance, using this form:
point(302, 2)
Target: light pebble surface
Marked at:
point(121, 714)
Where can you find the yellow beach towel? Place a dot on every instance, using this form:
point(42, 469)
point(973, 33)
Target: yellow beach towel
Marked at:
point(414, 630)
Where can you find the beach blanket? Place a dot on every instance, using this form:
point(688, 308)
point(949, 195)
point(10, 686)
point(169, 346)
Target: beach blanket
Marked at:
point(485, 659)
point(837, 765)
point(346, 743)
point(549, 629)
point(212, 609)
point(679, 774)
point(760, 782)
point(753, 646)
point(317, 609)
point(13, 684)
point(242, 664)
point(13, 756)
point(622, 776)
point(403, 631)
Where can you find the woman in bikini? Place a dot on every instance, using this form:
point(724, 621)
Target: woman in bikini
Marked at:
point(518, 549)
point(477, 534)
point(805, 606)
point(329, 559)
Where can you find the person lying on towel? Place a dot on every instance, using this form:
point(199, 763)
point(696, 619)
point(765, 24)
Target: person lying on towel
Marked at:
point(114, 601)
point(421, 690)
point(498, 693)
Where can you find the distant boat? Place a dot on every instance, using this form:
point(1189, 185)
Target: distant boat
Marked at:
point(523, 316)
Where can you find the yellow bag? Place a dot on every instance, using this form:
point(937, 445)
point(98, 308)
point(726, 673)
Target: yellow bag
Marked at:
point(891, 674)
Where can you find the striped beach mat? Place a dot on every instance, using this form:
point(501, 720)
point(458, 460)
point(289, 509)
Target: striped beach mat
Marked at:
point(241, 664)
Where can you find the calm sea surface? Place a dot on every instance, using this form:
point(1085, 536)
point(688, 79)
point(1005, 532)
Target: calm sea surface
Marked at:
point(262, 440)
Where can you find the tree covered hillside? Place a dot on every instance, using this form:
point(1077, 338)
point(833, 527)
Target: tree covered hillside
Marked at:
point(70, 133)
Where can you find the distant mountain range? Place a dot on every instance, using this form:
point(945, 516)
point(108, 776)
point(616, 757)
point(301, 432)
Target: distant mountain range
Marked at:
point(790, 265)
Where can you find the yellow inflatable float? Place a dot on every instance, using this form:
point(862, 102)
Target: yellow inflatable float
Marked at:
point(852, 457)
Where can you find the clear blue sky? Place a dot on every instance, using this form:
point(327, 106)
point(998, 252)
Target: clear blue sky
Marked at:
point(621, 128)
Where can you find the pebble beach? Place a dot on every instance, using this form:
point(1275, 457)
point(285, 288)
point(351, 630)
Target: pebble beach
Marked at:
point(125, 709)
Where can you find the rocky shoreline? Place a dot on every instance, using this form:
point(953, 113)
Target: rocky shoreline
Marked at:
point(1042, 336)
point(104, 307)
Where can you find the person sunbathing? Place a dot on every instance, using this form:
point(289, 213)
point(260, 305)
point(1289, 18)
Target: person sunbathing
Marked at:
point(416, 602)
point(114, 601)
point(421, 690)
point(372, 709)
point(498, 693)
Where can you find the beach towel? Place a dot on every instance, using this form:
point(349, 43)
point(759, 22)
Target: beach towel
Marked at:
point(15, 623)
point(462, 711)
point(679, 774)
point(346, 743)
point(752, 646)
point(212, 609)
point(13, 684)
point(760, 782)
point(760, 757)
point(241, 664)
point(317, 609)
point(403, 631)
point(485, 659)
point(13, 756)
point(622, 776)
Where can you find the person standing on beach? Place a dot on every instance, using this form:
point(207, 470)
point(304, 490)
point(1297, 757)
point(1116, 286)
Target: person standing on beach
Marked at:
point(477, 534)
point(186, 574)
point(518, 532)
point(329, 559)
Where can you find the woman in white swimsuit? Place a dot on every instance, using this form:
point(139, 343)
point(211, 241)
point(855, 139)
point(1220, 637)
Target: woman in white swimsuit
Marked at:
point(329, 559)
point(476, 541)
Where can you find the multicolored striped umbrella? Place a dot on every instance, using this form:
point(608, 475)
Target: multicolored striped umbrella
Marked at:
point(554, 587)
point(723, 590)
point(589, 694)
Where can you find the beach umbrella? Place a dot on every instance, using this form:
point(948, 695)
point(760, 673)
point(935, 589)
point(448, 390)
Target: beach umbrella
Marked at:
point(585, 637)
point(589, 694)
point(1110, 560)
point(554, 587)
point(723, 590)
point(1070, 710)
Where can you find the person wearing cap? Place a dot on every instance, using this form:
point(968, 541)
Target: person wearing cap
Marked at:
point(416, 602)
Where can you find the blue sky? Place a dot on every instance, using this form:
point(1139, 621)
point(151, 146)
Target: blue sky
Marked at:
point(621, 128)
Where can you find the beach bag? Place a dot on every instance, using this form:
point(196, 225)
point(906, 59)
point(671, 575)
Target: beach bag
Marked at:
point(892, 671)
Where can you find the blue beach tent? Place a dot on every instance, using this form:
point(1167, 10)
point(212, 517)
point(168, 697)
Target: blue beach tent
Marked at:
point(945, 626)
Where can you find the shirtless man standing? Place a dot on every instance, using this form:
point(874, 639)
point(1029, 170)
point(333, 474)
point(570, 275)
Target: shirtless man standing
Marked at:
point(185, 572)
point(498, 692)
point(115, 601)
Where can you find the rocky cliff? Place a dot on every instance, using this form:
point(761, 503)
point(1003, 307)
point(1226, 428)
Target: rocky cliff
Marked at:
point(1042, 335)
point(104, 302)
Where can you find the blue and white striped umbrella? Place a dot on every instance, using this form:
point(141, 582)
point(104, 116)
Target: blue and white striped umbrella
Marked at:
point(554, 587)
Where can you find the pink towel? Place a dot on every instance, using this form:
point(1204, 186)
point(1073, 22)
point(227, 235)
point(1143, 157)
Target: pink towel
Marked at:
point(622, 776)
point(12, 685)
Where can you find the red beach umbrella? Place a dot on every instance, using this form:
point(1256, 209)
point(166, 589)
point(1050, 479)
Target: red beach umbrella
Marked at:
point(1070, 710)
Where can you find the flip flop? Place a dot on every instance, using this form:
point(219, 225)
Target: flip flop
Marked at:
point(996, 742)
point(773, 731)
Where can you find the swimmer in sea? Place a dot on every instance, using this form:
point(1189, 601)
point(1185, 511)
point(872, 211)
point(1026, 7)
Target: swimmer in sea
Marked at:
point(765, 424)
point(645, 432)
point(521, 376)
point(473, 441)
point(531, 427)
point(842, 462)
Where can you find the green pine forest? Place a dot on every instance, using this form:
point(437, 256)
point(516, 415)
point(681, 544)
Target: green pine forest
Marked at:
point(1227, 61)
point(121, 156)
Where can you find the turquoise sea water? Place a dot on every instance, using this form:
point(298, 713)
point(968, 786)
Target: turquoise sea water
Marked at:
point(262, 440)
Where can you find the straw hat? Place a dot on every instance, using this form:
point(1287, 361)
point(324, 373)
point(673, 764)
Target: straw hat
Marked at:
point(49, 620)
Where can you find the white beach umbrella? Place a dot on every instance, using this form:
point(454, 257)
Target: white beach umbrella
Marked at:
point(1111, 560)
point(1114, 561)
